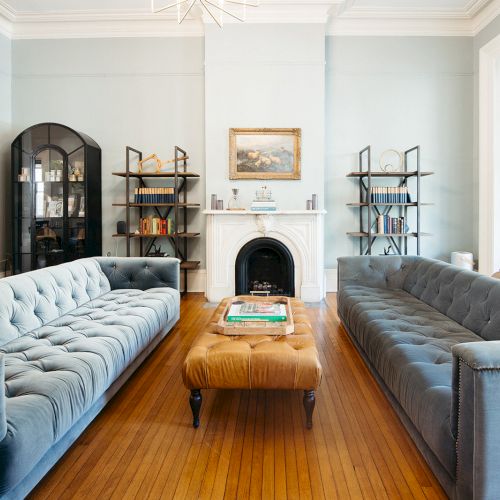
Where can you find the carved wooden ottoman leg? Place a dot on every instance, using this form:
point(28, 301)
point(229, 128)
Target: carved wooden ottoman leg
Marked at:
point(309, 402)
point(195, 403)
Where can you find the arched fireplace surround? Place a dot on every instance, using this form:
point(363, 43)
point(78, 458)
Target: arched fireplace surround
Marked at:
point(264, 266)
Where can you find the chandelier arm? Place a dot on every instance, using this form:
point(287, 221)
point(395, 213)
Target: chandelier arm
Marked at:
point(175, 4)
point(188, 10)
point(210, 12)
point(224, 10)
point(242, 3)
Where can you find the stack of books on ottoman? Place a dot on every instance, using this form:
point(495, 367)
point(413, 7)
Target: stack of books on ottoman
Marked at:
point(256, 311)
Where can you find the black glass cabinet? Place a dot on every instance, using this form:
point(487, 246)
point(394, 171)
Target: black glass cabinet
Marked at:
point(56, 197)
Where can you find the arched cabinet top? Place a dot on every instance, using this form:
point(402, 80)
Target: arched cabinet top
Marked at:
point(42, 135)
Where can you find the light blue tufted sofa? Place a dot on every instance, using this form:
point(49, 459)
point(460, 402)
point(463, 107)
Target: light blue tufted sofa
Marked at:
point(70, 336)
point(430, 333)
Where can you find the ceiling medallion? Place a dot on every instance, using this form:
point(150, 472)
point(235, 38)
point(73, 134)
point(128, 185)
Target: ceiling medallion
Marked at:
point(215, 8)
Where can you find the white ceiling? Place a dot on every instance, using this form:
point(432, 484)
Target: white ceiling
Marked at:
point(92, 18)
point(72, 5)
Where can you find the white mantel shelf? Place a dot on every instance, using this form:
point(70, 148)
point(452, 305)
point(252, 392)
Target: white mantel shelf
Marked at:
point(301, 231)
point(264, 212)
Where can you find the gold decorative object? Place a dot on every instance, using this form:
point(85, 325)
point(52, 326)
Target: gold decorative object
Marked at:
point(159, 164)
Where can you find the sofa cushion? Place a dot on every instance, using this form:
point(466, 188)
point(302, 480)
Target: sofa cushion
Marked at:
point(33, 299)
point(409, 343)
point(467, 297)
point(54, 373)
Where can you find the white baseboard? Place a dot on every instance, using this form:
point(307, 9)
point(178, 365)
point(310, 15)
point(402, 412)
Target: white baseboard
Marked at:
point(331, 280)
point(197, 280)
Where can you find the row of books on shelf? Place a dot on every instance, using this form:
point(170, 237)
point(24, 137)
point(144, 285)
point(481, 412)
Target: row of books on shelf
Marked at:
point(389, 194)
point(391, 225)
point(156, 225)
point(263, 206)
point(154, 195)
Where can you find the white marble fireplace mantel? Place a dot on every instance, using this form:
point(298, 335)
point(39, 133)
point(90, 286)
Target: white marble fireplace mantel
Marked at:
point(301, 231)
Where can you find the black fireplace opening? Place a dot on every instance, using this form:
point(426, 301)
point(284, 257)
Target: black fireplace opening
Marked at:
point(264, 266)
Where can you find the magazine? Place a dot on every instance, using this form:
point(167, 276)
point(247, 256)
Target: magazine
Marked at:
point(257, 311)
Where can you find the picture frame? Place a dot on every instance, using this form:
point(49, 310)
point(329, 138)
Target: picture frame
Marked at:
point(265, 153)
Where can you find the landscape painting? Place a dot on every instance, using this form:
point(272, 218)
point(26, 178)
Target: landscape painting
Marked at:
point(264, 153)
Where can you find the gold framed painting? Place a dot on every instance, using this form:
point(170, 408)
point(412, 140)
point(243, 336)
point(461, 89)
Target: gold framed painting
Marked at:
point(264, 153)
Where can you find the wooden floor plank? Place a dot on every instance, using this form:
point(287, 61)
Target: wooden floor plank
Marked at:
point(237, 449)
point(249, 444)
point(256, 468)
point(220, 479)
point(268, 462)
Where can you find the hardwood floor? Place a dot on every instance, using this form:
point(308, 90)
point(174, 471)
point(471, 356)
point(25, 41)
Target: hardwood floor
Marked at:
point(249, 444)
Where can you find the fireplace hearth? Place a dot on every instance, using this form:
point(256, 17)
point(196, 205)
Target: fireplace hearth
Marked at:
point(264, 266)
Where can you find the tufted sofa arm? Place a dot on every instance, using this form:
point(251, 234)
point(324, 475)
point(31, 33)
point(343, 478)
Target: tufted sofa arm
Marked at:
point(141, 272)
point(3, 415)
point(476, 418)
point(385, 271)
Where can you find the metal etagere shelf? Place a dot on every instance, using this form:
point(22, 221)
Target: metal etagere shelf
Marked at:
point(366, 176)
point(180, 236)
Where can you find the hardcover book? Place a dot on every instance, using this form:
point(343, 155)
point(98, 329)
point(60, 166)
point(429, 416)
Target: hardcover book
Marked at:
point(257, 311)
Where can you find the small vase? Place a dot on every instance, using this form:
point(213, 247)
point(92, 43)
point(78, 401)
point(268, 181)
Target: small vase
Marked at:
point(234, 203)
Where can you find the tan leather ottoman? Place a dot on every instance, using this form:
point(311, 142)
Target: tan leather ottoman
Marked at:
point(254, 362)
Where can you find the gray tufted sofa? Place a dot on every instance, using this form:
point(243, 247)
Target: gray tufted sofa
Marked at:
point(430, 333)
point(70, 336)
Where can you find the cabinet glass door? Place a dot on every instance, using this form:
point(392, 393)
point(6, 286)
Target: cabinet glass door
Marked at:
point(48, 171)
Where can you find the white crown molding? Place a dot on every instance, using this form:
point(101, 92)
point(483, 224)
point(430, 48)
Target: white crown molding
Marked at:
point(106, 29)
point(340, 17)
point(475, 6)
point(487, 14)
point(5, 27)
point(356, 21)
point(391, 26)
point(7, 11)
point(6, 18)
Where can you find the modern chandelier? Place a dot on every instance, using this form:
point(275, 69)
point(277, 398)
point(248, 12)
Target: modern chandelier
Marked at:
point(215, 8)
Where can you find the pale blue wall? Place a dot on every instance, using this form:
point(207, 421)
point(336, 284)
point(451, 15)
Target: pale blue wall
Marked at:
point(397, 92)
point(144, 92)
point(5, 139)
point(391, 92)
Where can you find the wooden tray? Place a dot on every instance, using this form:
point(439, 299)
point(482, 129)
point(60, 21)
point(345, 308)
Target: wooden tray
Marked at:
point(256, 327)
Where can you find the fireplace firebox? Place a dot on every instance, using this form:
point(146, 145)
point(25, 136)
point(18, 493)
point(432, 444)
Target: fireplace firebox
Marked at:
point(264, 266)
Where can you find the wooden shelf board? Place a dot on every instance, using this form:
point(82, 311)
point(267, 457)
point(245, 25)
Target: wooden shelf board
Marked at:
point(190, 264)
point(397, 235)
point(183, 205)
point(414, 204)
point(180, 235)
point(388, 174)
point(163, 175)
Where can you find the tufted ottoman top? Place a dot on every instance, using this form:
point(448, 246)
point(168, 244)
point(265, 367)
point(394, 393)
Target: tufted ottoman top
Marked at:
point(254, 361)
